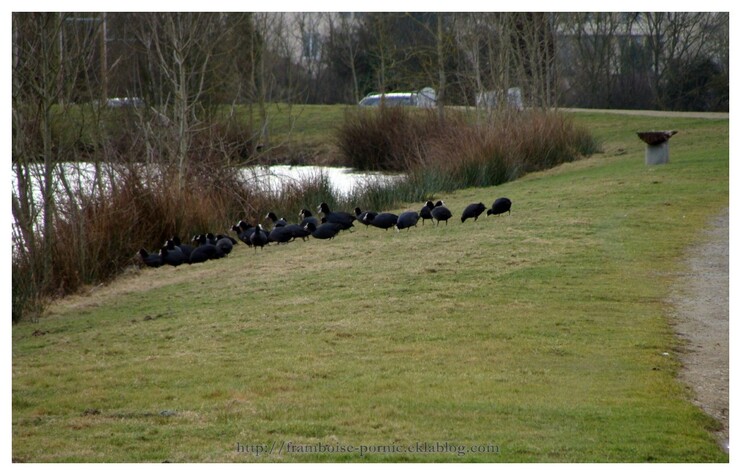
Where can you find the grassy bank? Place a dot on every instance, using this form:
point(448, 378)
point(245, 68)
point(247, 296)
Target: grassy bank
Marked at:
point(295, 134)
point(544, 333)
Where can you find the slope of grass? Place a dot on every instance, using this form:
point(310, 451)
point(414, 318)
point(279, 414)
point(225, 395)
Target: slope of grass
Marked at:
point(299, 131)
point(543, 334)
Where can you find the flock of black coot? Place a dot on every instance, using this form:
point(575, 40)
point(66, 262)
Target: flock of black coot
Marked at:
point(208, 246)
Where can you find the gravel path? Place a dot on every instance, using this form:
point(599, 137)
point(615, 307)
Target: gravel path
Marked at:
point(701, 302)
point(649, 113)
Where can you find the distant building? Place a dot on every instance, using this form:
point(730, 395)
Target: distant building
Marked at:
point(494, 99)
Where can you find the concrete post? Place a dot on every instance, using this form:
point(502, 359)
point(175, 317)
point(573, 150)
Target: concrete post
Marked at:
point(656, 154)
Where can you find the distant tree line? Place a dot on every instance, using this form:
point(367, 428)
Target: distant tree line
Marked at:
point(669, 60)
point(664, 61)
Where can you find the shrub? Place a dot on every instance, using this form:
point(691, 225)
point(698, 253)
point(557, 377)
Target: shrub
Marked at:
point(459, 153)
point(306, 192)
point(387, 138)
point(509, 146)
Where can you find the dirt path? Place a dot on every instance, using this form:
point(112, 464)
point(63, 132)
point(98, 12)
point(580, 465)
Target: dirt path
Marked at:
point(649, 113)
point(701, 303)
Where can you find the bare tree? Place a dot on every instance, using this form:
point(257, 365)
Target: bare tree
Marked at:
point(52, 63)
point(270, 28)
point(382, 48)
point(440, 38)
point(181, 53)
point(591, 39)
point(45, 69)
point(352, 53)
point(430, 48)
point(505, 50)
point(483, 62)
point(674, 40)
point(534, 56)
point(344, 44)
point(469, 40)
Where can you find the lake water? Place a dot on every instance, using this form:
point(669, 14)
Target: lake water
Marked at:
point(343, 180)
point(81, 176)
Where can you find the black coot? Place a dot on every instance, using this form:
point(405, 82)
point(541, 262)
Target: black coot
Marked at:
point(225, 243)
point(205, 248)
point(281, 234)
point(440, 212)
point(276, 222)
point(473, 211)
point(383, 220)
point(297, 231)
point(406, 220)
point(185, 248)
point(173, 257)
point(200, 239)
point(259, 238)
point(252, 231)
point(426, 212)
point(324, 231)
point(340, 217)
point(203, 253)
point(150, 260)
point(243, 230)
point(307, 217)
point(365, 216)
point(500, 206)
point(211, 238)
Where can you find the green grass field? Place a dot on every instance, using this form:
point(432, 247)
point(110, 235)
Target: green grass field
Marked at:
point(542, 336)
point(306, 129)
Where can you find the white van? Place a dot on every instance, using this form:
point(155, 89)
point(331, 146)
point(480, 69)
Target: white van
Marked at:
point(426, 97)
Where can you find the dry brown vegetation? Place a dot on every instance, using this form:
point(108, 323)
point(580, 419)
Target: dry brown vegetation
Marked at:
point(463, 150)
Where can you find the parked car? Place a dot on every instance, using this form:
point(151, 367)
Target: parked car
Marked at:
point(124, 102)
point(426, 97)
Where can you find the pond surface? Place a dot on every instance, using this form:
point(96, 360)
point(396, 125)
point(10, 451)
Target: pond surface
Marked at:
point(81, 177)
point(344, 180)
